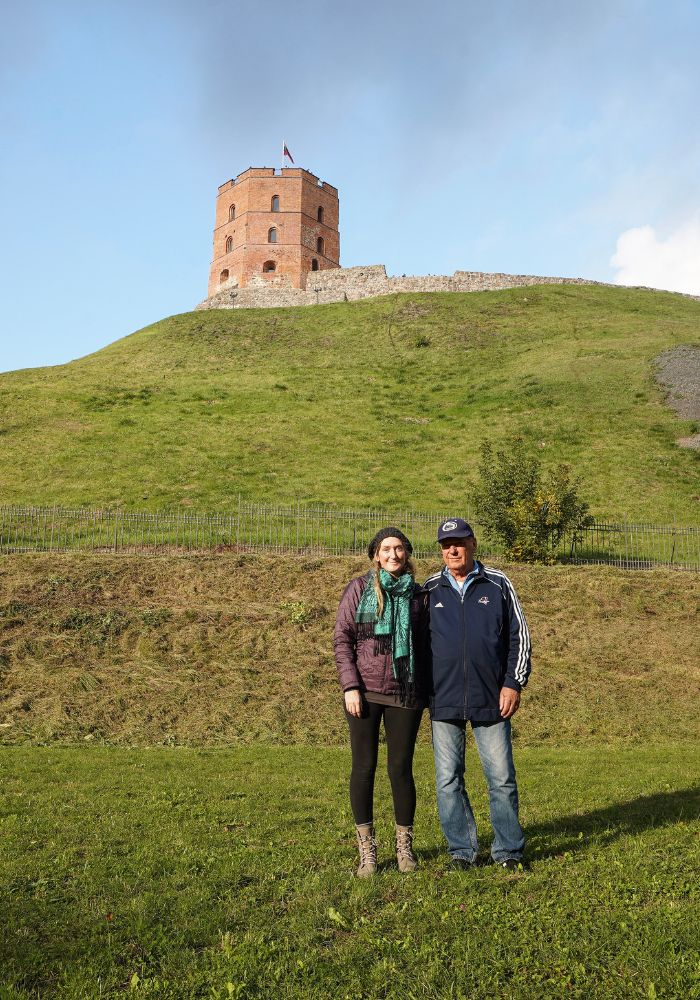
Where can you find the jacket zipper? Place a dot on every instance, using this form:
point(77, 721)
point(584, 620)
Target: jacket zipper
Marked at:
point(464, 643)
point(464, 650)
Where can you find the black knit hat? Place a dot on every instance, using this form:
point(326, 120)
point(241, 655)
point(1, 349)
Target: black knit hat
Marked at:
point(388, 533)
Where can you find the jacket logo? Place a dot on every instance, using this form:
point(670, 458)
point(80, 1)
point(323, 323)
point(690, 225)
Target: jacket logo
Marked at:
point(439, 605)
point(483, 600)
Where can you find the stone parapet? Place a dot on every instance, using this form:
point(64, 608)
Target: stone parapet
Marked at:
point(349, 284)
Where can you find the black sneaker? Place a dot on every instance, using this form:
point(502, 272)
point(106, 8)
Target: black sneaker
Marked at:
point(462, 864)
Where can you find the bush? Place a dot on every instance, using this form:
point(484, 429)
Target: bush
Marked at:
point(525, 508)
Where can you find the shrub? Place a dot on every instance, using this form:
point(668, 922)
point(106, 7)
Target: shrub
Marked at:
point(524, 507)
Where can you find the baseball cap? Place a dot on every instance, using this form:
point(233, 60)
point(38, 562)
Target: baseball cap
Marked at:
point(454, 527)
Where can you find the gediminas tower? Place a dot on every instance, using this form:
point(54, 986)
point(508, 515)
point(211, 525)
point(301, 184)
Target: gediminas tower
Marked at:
point(274, 227)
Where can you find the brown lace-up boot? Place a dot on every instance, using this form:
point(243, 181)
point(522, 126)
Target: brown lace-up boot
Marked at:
point(404, 849)
point(367, 847)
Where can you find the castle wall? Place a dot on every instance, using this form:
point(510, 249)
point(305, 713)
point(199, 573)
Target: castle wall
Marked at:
point(315, 195)
point(348, 284)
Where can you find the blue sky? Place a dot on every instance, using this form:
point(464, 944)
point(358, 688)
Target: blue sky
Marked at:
point(527, 137)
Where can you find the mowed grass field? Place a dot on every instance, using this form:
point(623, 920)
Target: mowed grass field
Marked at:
point(183, 873)
point(380, 403)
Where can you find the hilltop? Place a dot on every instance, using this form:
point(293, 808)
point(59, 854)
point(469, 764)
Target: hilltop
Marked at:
point(382, 402)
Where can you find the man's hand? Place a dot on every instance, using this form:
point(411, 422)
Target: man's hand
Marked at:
point(509, 702)
point(353, 703)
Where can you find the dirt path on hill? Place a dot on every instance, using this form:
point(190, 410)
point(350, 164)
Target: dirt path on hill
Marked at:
point(679, 372)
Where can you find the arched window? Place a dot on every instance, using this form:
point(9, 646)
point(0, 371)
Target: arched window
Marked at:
point(223, 276)
point(275, 205)
point(314, 265)
point(268, 266)
point(229, 244)
point(319, 245)
point(231, 213)
point(272, 235)
point(319, 214)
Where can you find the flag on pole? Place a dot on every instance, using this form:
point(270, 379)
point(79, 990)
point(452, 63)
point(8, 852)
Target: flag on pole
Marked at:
point(285, 152)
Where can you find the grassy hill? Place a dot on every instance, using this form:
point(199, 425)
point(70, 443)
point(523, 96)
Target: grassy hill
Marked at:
point(383, 402)
point(209, 651)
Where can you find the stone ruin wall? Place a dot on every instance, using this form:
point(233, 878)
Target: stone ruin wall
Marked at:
point(348, 284)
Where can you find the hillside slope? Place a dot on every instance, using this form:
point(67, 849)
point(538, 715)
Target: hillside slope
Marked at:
point(207, 650)
point(383, 402)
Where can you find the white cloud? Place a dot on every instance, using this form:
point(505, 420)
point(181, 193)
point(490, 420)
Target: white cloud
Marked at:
point(642, 258)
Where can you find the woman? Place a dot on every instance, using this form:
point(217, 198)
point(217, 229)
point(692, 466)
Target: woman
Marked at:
point(379, 642)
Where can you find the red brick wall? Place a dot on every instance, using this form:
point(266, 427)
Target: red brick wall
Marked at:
point(300, 194)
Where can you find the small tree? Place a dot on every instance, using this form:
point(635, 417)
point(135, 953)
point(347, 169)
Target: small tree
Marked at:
point(527, 509)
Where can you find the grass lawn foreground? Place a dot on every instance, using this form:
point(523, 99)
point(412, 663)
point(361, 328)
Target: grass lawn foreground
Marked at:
point(178, 873)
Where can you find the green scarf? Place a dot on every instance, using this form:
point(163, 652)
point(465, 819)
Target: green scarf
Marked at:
point(394, 626)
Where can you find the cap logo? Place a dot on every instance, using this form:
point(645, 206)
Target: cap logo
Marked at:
point(449, 526)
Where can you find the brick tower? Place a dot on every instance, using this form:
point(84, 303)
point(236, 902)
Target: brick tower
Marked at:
point(273, 227)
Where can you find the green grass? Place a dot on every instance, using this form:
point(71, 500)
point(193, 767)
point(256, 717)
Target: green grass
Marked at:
point(190, 871)
point(383, 402)
point(218, 650)
point(181, 873)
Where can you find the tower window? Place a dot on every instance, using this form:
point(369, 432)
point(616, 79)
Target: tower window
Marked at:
point(272, 235)
point(231, 213)
point(229, 244)
point(319, 214)
point(275, 205)
point(268, 266)
point(314, 264)
point(319, 245)
point(223, 276)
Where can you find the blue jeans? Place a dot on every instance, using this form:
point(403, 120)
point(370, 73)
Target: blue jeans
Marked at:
point(493, 741)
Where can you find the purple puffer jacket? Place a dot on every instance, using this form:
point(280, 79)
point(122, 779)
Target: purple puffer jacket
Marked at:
point(358, 665)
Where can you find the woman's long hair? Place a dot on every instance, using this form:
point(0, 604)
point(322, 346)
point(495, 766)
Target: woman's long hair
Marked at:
point(408, 567)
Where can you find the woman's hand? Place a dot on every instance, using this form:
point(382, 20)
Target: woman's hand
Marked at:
point(353, 703)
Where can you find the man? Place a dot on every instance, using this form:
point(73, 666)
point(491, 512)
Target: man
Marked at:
point(480, 663)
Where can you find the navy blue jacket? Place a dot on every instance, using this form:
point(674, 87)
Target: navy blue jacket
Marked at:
point(479, 642)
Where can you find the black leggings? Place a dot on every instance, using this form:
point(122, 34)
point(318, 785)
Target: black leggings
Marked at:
point(401, 729)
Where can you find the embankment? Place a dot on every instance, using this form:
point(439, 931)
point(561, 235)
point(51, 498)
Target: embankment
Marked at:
point(229, 649)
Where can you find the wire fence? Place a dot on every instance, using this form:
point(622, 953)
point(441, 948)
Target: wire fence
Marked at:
point(323, 531)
